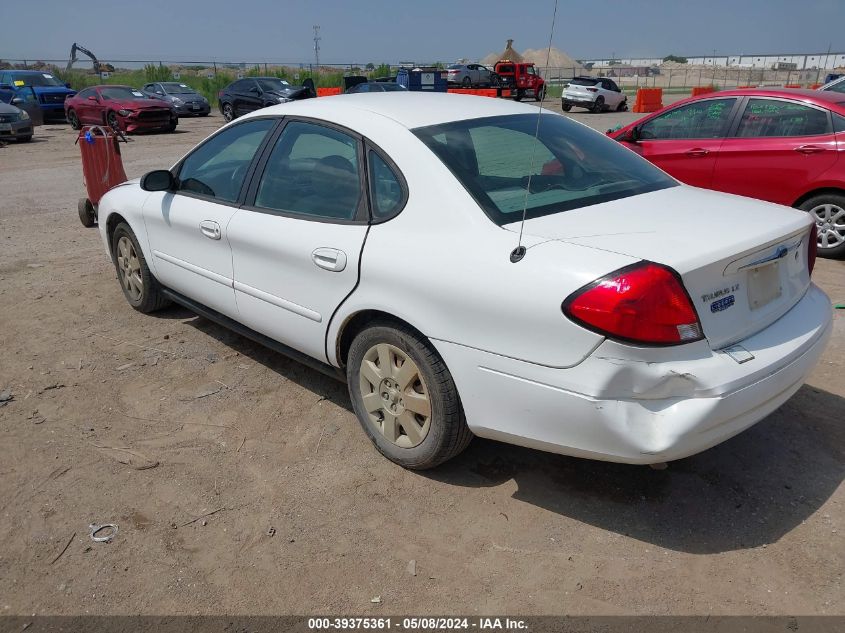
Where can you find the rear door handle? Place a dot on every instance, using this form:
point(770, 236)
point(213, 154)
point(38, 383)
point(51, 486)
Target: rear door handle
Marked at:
point(210, 229)
point(329, 259)
point(698, 151)
point(809, 149)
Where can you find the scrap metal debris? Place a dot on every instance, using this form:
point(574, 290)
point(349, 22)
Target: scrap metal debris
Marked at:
point(64, 549)
point(6, 396)
point(103, 538)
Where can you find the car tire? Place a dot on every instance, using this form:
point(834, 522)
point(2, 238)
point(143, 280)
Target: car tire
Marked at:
point(828, 212)
point(172, 126)
point(205, 114)
point(141, 289)
point(25, 139)
point(413, 440)
point(228, 112)
point(598, 105)
point(541, 94)
point(566, 107)
point(87, 215)
point(73, 120)
point(495, 81)
point(519, 95)
point(467, 82)
point(112, 121)
point(623, 106)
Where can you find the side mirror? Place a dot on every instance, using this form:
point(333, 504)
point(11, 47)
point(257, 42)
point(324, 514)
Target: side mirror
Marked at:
point(17, 101)
point(158, 180)
point(631, 136)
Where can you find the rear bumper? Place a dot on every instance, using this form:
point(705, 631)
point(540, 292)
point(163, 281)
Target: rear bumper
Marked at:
point(618, 406)
point(577, 100)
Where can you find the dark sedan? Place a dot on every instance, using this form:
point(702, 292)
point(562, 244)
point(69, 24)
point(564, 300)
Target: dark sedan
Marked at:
point(252, 93)
point(14, 124)
point(184, 99)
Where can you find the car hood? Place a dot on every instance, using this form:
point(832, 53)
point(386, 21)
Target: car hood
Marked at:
point(293, 92)
point(6, 108)
point(138, 104)
point(51, 90)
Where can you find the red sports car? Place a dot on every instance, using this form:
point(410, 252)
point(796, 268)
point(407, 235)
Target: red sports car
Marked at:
point(781, 145)
point(123, 107)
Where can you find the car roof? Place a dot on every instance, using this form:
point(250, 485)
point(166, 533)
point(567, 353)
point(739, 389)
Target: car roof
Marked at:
point(410, 110)
point(830, 100)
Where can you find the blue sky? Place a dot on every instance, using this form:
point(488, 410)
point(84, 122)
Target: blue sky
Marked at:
point(423, 30)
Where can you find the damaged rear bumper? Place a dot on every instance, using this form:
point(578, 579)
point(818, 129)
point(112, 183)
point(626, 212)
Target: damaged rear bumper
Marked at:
point(641, 405)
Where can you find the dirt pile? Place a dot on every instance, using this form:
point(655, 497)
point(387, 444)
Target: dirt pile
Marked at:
point(556, 57)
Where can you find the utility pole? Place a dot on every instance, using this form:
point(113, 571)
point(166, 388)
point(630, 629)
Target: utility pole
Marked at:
point(317, 39)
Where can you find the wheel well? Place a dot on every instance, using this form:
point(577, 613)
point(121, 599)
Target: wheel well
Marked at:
point(817, 192)
point(358, 322)
point(111, 225)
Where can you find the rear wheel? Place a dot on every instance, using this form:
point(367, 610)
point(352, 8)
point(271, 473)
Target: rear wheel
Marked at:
point(467, 82)
point(519, 95)
point(828, 212)
point(73, 120)
point(141, 289)
point(405, 398)
point(87, 215)
point(598, 104)
point(228, 112)
point(540, 94)
point(566, 107)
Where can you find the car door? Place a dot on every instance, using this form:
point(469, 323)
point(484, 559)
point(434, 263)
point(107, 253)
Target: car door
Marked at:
point(187, 228)
point(685, 140)
point(250, 98)
point(612, 95)
point(88, 110)
point(297, 242)
point(778, 149)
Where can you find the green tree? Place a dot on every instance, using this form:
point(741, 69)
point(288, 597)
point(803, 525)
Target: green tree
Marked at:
point(157, 73)
point(675, 58)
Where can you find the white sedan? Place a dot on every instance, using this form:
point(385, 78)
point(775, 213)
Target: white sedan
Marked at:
point(375, 237)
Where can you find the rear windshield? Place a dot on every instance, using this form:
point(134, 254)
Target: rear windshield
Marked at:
point(178, 89)
point(584, 81)
point(569, 166)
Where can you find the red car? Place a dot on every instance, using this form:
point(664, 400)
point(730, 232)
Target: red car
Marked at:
point(780, 145)
point(123, 107)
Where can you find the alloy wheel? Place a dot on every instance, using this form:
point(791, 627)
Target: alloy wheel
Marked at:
point(395, 395)
point(129, 269)
point(830, 222)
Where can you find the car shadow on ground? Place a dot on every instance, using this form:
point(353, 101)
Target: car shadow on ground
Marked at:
point(744, 493)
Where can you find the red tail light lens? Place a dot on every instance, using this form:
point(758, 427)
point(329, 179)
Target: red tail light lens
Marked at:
point(644, 303)
point(593, 89)
point(812, 247)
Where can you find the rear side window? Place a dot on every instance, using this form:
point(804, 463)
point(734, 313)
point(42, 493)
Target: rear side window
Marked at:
point(700, 119)
point(385, 187)
point(773, 118)
point(313, 171)
point(567, 166)
point(217, 168)
point(838, 123)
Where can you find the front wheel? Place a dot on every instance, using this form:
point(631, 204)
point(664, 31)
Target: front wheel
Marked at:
point(828, 212)
point(623, 106)
point(566, 107)
point(172, 126)
point(405, 398)
point(598, 105)
point(113, 121)
point(519, 95)
point(73, 120)
point(141, 289)
point(228, 112)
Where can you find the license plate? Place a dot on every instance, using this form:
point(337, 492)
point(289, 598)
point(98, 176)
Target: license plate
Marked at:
point(5, 127)
point(195, 107)
point(764, 285)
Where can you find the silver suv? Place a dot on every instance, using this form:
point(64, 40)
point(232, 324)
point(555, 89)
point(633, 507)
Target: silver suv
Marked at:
point(469, 75)
point(593, 93)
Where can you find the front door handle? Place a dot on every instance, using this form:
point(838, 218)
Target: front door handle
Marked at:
point(329, 259)
point(809, 149)
point(698, 151)
point(210, 229)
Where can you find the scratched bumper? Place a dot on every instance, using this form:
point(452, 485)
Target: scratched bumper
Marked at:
point(638, 405)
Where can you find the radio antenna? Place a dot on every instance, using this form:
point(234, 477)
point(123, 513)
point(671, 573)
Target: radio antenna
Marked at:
point(519, 252)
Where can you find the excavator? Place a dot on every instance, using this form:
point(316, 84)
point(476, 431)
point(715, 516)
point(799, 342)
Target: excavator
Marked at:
point(98, 67)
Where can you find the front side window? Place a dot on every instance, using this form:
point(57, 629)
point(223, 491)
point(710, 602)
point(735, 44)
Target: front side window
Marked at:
point(701, 119)
point(217, 168)
point(770, 117)
point(502, 165)
point(313, 171)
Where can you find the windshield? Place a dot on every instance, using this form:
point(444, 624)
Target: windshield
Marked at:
point(273, 84)
point(391, 87)
point(120, 93)
point(178, 89)
point(570, 166)
point(35, 79)
point(839, 86)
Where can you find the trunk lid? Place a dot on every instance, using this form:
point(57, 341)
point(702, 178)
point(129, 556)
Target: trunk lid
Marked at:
point(742, 261)
point(577, 89)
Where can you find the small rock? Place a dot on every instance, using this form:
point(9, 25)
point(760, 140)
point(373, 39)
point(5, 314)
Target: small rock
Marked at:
point(204, 523)
point(412, 567)
point(35, 265)
point(579, 586)
point(166, 337)
point(6, 396)
point(271, 532)
point(376, 600)
point(126, 366)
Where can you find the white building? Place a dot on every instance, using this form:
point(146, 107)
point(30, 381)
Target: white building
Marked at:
point(802, 61)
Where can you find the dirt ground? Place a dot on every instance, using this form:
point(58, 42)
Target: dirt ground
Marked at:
point(265, 497)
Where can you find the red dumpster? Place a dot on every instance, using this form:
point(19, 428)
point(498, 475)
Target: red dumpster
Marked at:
point(102, 168)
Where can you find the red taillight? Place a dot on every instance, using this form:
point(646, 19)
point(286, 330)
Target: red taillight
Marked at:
point(643, 303)
point(812, 247)
point(592, 89)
